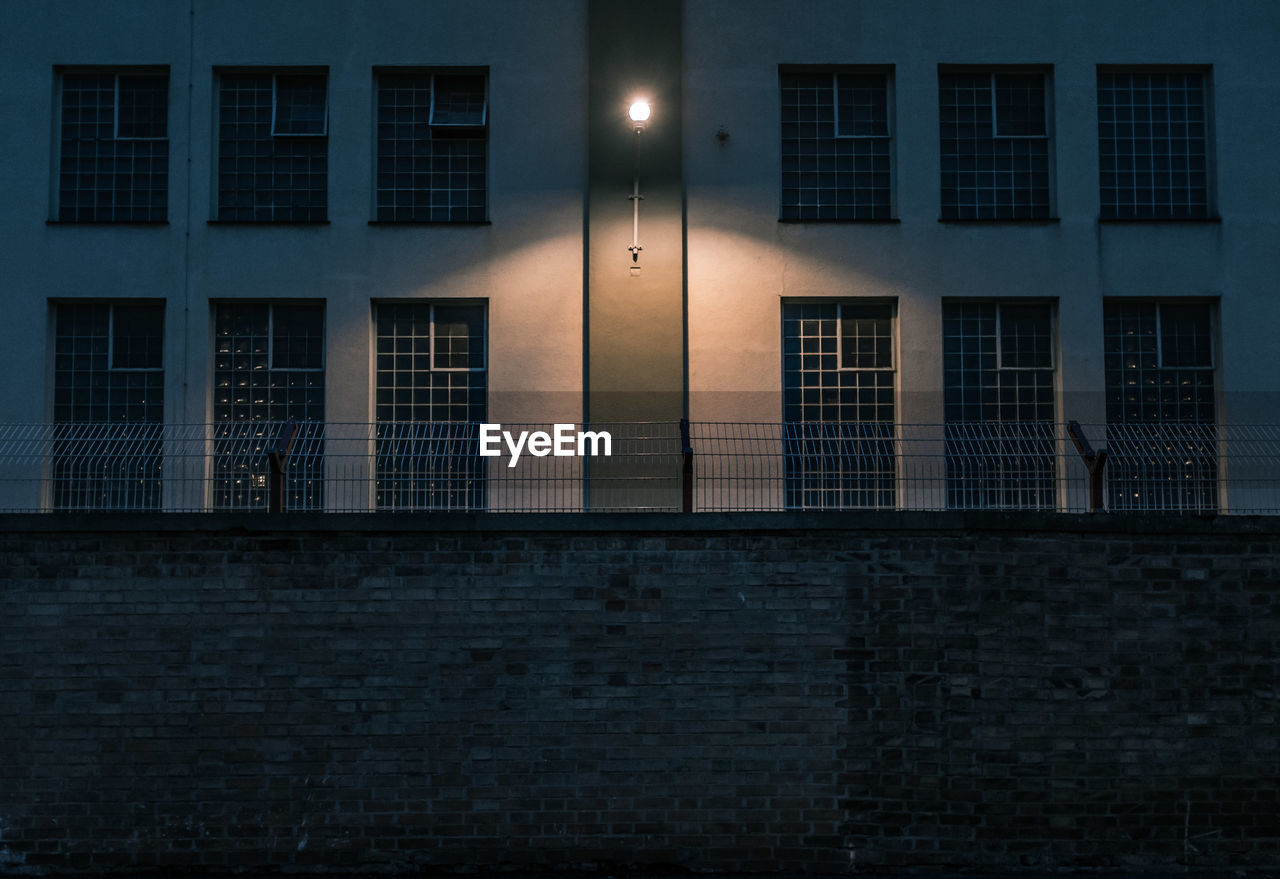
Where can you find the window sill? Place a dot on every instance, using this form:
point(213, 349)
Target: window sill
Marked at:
point(430, 222)
point(106, 222)
point(803, 221)
point(1000, 221)
point(268, 222)
point(1161, 221)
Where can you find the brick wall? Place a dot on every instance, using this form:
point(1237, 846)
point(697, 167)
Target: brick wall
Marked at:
point(796, 693)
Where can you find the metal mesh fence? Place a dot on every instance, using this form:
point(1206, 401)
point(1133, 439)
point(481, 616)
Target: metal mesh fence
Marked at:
point(665, 466)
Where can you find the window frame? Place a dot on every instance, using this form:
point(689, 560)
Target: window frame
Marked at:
point(889, 302)
point(111, 336)
point(892, 305)
point(1205, 71)
point(271, 329)
point(1046, 74)
point(888, 73)
point(112, 304)
point(220, 72)
point(52, 372)
point(60, 71)
point(1055, 341)
point(889, 121)
point(138, 72)
point(484, 342)
point(431, 304)
point(447, 131)
point(995, 105)
point(1212, 304)
point(1160, 463)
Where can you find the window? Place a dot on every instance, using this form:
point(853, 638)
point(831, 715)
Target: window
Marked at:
point(431, 397)
point(995, 145)
point(998, 404)
point(268, 370)
point(272, 147)
point(108, 403)
point(433, 143)
point(1153, 145)
point(838, 404)
point(113, 164)
point(835, 146)
point(1161, 434)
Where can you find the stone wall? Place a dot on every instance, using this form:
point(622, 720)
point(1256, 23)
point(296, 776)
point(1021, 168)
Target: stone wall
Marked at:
point(742, 693)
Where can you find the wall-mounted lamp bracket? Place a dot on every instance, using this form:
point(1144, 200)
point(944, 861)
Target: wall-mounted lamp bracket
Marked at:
point(638, 113)
point(636, 198)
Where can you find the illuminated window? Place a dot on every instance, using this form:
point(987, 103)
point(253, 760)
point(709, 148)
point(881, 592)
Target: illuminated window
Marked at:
point(838, 404)
point(995, 145)
point(835, 146)
point(998, 404)
point(268, 370)
point(108, 402)
point(1153, 158)
point(433, 143)
point(431, 396)
point(272, 147)
point(113, 162)
point(1161, 420)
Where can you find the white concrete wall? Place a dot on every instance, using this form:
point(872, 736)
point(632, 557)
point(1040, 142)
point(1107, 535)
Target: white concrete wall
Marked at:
point(742, 261)
point(527, 263)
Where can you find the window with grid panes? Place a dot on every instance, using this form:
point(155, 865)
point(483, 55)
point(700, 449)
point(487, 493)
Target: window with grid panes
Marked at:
point(432, 143)
point(1153, 145)
point(431, 396)
point(272, 147)
point(995, 145)
point(268, 371)
point(108, 405)
point(835, 146)
point(838, 404)
point(1161, 416)
point(998, 404)
point(113, 162)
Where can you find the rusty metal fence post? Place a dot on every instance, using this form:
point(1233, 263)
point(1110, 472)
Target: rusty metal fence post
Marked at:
point(686, 475)
point(278, 462)
point(1094, 462)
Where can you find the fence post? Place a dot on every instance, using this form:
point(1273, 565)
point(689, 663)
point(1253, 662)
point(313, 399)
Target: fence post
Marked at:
point(686, 475)
point(1094, 462)
point(278, 462)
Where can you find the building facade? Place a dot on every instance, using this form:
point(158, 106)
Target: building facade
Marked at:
point(961, 225)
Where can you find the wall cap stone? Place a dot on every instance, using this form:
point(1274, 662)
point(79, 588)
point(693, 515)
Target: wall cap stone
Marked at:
point(854, 520)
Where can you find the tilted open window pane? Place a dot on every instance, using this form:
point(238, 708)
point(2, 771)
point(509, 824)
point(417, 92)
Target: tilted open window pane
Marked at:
point(300, 107)
point(459, 100)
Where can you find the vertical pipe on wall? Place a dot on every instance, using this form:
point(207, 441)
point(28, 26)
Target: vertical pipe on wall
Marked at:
point(186, 231)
